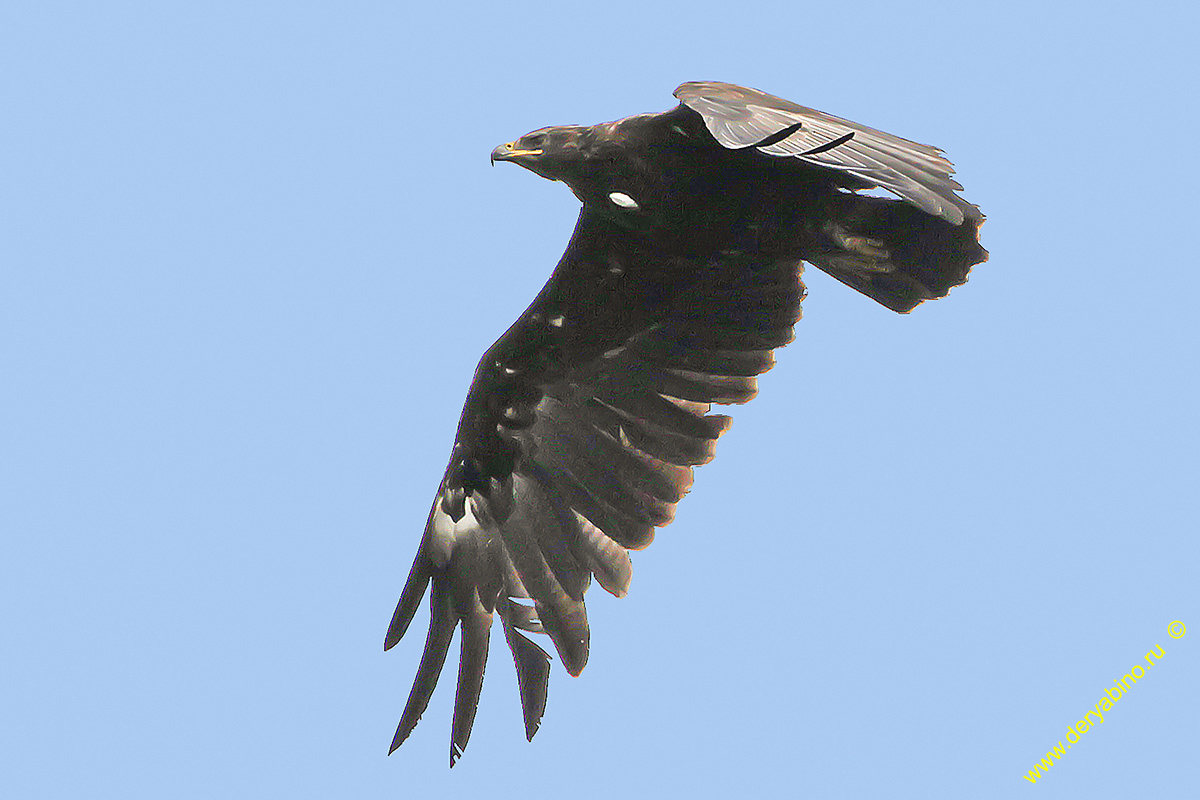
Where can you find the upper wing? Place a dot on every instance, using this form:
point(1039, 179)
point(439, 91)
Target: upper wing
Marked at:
point(577, 440)
point(738, 117)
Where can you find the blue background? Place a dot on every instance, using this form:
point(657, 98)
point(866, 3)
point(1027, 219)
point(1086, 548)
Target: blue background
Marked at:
point(251, 253)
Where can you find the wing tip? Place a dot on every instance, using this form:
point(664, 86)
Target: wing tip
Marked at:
point(571, 638)
point(476, 626)
point(442, 623)
point(533, 674)
point(397, 740)
point(410, 599)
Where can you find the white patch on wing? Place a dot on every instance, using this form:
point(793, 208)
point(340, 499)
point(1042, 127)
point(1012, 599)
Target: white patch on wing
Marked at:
point(445, 533)
point(556, 321)
point(623, 200)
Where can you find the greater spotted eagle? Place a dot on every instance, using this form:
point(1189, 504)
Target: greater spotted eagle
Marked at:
point(584, 420)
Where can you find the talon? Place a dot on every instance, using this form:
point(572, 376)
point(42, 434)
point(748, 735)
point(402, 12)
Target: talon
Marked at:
point(867, 247)
point(860, 245)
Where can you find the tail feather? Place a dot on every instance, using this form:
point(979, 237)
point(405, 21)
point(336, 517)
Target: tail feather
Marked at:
point(894, 252)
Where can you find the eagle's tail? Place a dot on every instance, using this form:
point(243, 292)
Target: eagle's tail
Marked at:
point(894, 252)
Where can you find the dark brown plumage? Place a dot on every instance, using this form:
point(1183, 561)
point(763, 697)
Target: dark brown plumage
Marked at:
point(585, 418)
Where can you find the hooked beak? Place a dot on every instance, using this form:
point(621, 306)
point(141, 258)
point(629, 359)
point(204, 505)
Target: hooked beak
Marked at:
point(509, 152)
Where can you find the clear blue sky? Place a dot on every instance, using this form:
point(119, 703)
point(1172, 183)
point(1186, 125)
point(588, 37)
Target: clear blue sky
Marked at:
point(250, 254)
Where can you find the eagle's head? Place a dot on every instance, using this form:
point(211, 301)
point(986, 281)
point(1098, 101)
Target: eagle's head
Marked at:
point(557, 153)
point(602, 164)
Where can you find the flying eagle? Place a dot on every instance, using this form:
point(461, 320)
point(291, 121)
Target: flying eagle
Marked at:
point(584, 420)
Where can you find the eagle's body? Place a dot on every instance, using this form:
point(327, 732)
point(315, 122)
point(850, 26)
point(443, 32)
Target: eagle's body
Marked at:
point(584, 419)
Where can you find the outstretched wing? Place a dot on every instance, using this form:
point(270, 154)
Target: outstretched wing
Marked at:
point(577, 440)
point(738, 117)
